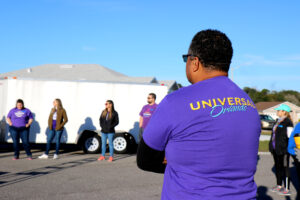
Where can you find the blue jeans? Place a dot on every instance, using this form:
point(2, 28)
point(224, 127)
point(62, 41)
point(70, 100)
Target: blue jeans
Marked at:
point(110, 137)
point(16, 134)
point(57, 139)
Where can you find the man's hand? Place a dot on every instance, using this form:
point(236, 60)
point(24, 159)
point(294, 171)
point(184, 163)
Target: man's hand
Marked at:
point(9, 123)
point(297, 152)
point(27, 125)
point(165, 161)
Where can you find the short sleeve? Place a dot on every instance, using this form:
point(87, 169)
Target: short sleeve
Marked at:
point(29, 114)
point(291, 143)
point(159, 128)
point(9, 115)
point(142, 111)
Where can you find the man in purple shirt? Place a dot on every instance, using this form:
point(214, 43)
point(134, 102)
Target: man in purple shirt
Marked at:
point(146, 113)
point(204, 137)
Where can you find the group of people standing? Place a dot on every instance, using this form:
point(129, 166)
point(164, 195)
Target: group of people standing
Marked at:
point(20, 118)
point(282, 145)
point(109, 119)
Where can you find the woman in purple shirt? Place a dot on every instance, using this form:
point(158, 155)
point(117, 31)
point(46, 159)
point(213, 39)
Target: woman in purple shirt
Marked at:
point(19, 120)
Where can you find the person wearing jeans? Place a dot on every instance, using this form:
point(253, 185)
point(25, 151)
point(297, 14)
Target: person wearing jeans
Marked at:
point(19, 120)
point(16, 134)
point(109, 119)
point(57, 119)
point(57, 135)
point(110, 137)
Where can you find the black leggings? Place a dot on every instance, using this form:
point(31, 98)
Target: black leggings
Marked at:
point(282, 169)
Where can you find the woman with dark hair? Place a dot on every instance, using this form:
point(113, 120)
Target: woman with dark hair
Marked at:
point(19, 120)
point(108, 121)
point(278, 147)
point(57, 119)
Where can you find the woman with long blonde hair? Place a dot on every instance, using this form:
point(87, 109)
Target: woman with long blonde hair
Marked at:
point(57, 119)
point(278, 146)
point(109, 119)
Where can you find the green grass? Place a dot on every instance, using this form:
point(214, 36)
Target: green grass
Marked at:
point(263, 146)
point(266, 132)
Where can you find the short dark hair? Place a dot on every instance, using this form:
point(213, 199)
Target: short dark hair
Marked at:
point(153, 95)
point(213, 48)
point(20, 101)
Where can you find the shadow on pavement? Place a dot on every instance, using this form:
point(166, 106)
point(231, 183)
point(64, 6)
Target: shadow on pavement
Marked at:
point(6, 148)
point(7, 178)
point(262, 193)
point(11, 178)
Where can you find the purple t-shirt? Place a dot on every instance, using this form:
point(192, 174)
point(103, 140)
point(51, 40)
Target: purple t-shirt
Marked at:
point(54, 120)
point(146, 113)
point(19, 118)
point(210, 134)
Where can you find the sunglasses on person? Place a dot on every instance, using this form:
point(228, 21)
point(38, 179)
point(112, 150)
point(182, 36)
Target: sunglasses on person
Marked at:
point(185, 57)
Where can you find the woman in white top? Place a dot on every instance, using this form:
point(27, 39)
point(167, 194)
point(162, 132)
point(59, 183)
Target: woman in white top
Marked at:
point(57, 119)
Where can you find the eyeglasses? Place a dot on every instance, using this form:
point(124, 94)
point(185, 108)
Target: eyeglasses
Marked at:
point(185, 57)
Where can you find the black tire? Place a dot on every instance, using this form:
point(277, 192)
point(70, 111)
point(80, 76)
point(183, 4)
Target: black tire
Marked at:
point(120, 143)
point(91, 143)
point(124, 143)
point(132, 144)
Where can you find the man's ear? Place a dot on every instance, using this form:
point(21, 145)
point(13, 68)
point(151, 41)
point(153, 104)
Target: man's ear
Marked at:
point(196, 64)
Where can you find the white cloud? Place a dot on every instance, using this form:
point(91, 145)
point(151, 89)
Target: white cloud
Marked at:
point(271, 82)
point(295, 57)
point(258, 60)
point(268, 78)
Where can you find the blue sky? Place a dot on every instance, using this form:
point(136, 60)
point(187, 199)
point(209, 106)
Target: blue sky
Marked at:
point(147, 38)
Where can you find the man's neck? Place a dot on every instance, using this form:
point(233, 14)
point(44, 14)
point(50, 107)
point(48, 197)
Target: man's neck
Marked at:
point(151, 103)
point(209, 75)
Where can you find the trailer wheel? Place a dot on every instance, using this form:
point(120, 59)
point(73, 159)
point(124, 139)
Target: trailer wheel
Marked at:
point(120, 143)
point(91, 144)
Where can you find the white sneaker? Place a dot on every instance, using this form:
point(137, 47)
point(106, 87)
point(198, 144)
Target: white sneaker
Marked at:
point(44, 156)
point(55, 156)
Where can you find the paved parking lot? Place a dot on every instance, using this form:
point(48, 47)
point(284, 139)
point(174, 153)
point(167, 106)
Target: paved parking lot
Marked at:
point(80, 176)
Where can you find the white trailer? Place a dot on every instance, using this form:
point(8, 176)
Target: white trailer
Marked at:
point(84, 102)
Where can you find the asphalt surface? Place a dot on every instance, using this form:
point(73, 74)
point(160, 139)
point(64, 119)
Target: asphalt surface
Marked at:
point(80, 176)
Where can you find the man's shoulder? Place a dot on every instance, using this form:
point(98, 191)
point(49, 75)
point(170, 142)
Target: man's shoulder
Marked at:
point(27, 110)
point(181, 93)
point(145, 106)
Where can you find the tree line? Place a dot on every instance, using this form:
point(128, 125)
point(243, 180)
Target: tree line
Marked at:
point(267, 95)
